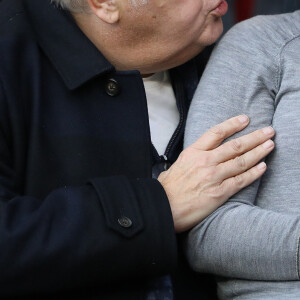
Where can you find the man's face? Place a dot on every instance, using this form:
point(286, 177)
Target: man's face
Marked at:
point(170, 32)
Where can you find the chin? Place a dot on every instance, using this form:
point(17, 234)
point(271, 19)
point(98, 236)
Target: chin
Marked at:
point(212, 32)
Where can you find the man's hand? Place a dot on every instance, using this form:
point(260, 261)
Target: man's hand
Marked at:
point(206, 174)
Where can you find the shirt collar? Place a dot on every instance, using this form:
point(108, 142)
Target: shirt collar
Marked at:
point(74, 56)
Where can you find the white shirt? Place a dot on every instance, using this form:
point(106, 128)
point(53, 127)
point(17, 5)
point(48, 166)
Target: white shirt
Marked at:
point(162, 109)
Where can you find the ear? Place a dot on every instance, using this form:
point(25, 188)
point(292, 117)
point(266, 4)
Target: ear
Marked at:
point(106, 10)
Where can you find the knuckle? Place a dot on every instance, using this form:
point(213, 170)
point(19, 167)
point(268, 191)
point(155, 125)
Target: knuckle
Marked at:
point(218, 132)
point(186, 155)
point(240, 162)
point(236, 145)
point(239, 181)
point(219, 192)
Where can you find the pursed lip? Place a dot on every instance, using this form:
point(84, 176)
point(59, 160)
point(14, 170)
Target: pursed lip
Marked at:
point(220, 8)
point(217, 5)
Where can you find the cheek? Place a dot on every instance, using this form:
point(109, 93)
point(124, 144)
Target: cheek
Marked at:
point(193, 18)
point(137, 3)
point(138, 22)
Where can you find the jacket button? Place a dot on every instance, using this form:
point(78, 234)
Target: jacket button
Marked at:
point(112, 87)
point(125, 222)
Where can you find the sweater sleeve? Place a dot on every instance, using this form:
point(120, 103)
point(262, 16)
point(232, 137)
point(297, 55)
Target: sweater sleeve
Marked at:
point(240, 239)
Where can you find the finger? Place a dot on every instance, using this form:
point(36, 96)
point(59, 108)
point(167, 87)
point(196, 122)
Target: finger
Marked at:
point(244, 162)
point(217, 134)
point(234, 184)
point(242, 145)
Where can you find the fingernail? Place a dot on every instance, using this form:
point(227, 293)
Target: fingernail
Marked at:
point(243, 119)
point(268, 144)
point(268, 130)
point(262, 166)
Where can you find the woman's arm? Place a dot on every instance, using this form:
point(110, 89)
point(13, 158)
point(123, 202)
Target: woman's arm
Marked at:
point(240, 239)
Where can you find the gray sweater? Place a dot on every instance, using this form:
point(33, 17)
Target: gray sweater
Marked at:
point(252, 242)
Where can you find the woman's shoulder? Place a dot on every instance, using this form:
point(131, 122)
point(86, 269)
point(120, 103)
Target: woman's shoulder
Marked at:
point(265, 32)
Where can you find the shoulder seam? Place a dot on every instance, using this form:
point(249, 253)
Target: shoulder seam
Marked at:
point(286, 44)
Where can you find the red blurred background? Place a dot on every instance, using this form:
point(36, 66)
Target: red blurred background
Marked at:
point(244, 9)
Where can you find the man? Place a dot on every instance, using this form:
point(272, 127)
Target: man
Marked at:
point(81, 216)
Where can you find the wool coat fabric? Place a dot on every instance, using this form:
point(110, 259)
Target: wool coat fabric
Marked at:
point(80, 215)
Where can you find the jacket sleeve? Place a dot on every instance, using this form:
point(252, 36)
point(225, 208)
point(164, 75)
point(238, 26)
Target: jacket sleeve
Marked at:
point(105, 231)
point(241, 240)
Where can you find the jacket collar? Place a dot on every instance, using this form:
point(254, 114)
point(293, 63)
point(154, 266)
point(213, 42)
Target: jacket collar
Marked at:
point(74, 56)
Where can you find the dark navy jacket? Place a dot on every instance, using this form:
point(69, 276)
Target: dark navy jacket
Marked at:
point(80, 215)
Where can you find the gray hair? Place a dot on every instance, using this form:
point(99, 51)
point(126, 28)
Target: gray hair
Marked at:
point(76, 6)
